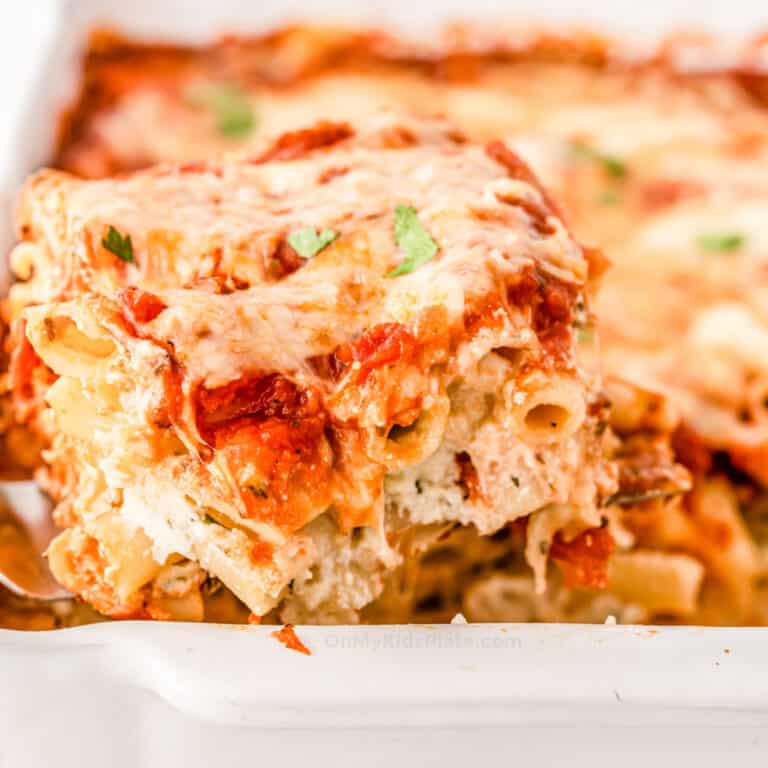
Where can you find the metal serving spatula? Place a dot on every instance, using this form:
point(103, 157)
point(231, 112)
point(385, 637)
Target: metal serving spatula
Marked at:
point(26, 529)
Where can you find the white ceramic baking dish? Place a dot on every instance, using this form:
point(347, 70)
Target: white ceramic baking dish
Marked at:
point(127, 695)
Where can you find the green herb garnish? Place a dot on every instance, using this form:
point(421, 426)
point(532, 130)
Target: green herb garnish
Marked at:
point(584, 334)
point(412, 238)
point(609, 197)
point(118, 244)
point(721, 242)
point(630, 497)
point(229, 104)
point(612, 165)
point(307, 243)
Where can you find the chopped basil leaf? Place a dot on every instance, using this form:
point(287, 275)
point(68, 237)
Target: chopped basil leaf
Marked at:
point(721, 242)
point(412, 238)
point(118, 244)
point(307, 243)
point(612, 165)
point(229, 104)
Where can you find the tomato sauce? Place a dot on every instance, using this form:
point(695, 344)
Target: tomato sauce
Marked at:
point(140, 306)
point(288, 637)
point(584, 559)
point(24, 361)
point(271, 434)
point(379, 346)
point(469, 479)
point(295, 144)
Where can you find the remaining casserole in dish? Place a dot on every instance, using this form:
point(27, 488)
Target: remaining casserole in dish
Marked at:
point(394, 499)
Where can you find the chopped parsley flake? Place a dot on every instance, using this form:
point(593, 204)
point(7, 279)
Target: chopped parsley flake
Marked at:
point(307, 243)
point(612, 165)
point(118, 244)
point(229, 104)
point(585, 334)
point(721, 242)
point(412, 238)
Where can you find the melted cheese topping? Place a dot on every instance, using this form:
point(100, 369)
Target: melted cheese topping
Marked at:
point(676, 152)
point(229, 218)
